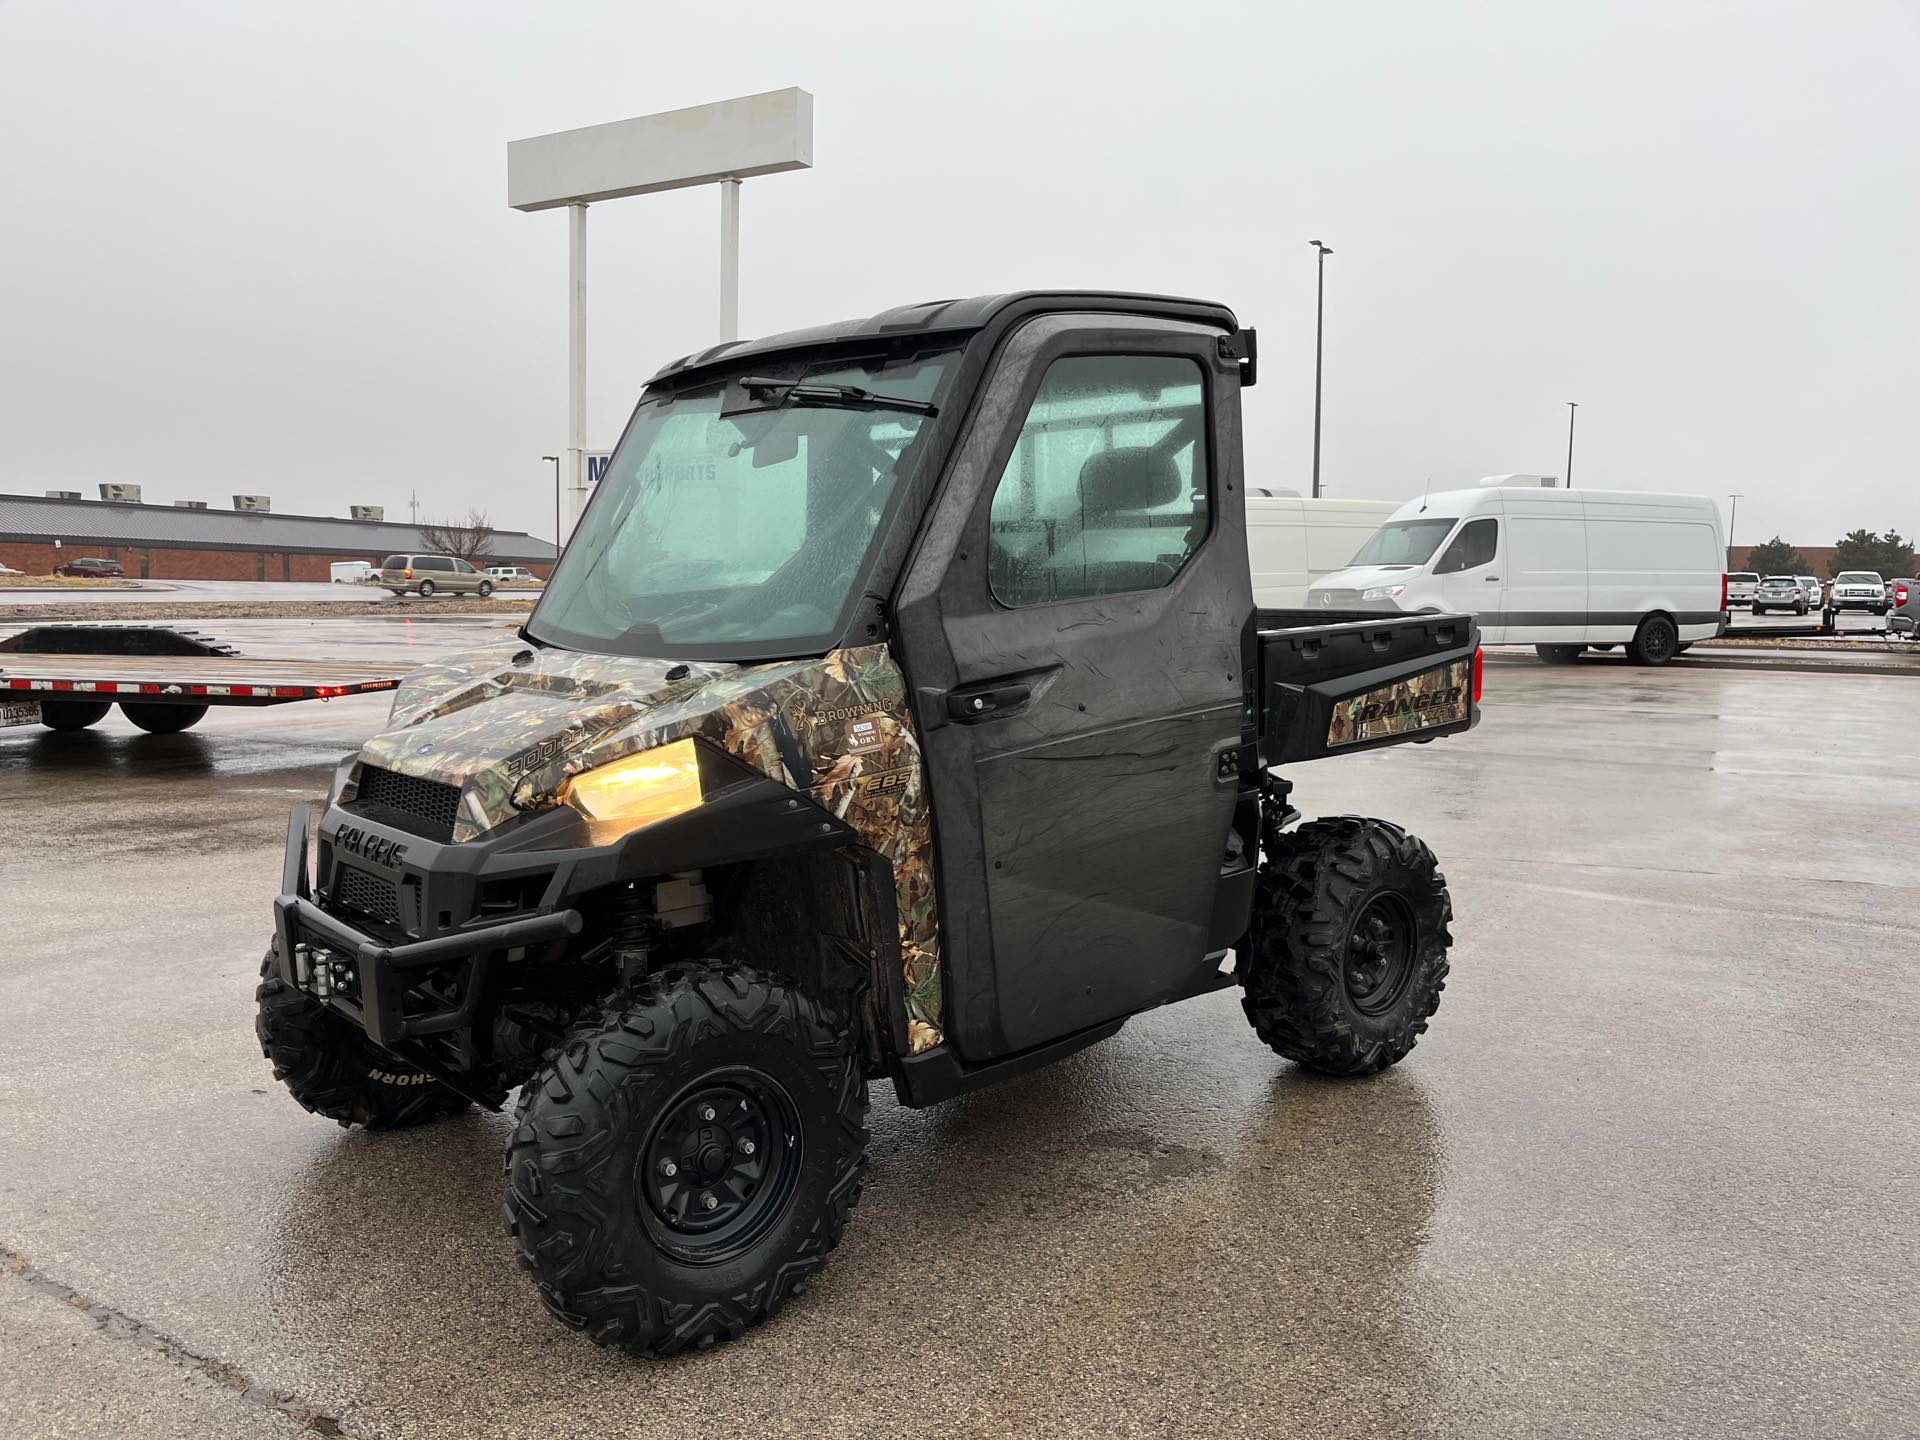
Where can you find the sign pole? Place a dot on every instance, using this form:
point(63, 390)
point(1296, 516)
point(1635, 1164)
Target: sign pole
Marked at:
point(729, 259)
point(577, 357)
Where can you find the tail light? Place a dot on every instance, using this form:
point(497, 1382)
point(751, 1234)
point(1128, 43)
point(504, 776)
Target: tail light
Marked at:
point(1899, 595)
point(1479, 672)
point(1723, 591)
point(409, 573)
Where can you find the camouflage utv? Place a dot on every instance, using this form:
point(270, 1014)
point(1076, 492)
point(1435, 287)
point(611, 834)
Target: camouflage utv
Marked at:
point(899, 709)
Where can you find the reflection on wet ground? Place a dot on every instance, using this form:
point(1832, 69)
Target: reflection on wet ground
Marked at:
point(1650, 1173)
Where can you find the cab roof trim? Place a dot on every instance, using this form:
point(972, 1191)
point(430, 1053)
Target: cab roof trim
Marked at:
point(952, 318)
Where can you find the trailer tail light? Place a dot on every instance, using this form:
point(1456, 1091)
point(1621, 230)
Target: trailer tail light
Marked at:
point(1479, 672)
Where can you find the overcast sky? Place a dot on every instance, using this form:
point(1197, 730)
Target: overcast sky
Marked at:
point(266, 247)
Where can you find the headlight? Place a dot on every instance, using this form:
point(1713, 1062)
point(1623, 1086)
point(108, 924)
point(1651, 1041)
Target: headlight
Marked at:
point(636, 790)
point(1383, 592)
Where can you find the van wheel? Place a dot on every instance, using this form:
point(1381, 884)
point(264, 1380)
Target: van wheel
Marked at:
point(426, 588)
point(1655, 642)
point(1348, 952)
point(72, 714)
point(1558, 654)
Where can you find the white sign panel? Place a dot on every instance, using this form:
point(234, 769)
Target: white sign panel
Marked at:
point(728, 140)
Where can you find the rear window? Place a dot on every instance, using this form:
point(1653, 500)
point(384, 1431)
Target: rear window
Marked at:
point(1746, 575)
point(394, 562)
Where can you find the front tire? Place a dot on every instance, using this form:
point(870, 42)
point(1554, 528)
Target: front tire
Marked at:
point(72, 714)
point(1348, 952)
point(163, 719)
point(331, 1067)
point(687, 1159)
point(1656, 641)
point(486, 589)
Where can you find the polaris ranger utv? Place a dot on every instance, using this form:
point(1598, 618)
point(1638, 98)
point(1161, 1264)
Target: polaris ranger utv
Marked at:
point(900, 708)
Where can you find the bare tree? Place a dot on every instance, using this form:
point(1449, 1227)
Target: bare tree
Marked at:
point(470, 539)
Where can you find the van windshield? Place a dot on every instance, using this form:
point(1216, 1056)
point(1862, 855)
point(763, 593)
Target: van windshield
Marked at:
point(1404, 542)
point(735, 520)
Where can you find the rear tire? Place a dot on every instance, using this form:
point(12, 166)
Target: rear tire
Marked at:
point(486, 589)
point(331, 1067)
point(1656, 641)
point(1348, 951)
point(426, 588)
point(1558, 654)
point(163, 719)
point(712, 1084)
point(72, 714)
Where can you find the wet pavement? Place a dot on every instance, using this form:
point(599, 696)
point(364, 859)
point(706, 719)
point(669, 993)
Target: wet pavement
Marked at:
point(176, 591)
point(1655, 1170)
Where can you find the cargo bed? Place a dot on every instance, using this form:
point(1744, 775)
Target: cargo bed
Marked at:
point(1329, 682)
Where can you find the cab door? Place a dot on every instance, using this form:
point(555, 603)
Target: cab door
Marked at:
point(1469, 575)
point(1072, 625)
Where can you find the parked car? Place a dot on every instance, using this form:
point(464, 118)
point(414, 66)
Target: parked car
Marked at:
point(1556, 569)
point(1740, 587)
point(1903, 607)
point(350, 572)
point(6, 569)
point(92, 567)
point(1779, 592)
point(1860, 590)
point(1816, 593)
point(511, 575)
point(427, 574)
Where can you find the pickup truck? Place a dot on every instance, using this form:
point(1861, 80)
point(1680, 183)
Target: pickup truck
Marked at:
point(900, 708)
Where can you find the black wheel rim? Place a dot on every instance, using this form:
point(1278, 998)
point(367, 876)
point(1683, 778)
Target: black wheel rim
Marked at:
point(1658, 642)
point(719, 1165)
point(1380, 950)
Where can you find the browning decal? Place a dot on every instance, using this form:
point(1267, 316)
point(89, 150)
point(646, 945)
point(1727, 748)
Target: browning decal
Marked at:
point(1435, 697)
point(837, 728)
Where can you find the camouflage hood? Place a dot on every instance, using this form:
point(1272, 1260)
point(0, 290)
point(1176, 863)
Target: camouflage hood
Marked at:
point(509, 724)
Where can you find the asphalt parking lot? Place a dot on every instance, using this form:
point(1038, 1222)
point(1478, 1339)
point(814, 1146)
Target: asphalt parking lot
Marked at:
point(1654, 1171)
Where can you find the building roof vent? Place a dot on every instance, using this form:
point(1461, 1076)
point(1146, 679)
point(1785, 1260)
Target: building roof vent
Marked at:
point(259, 504)
point(189, 504)
point(120, 492)
point(63, 494)
point(1523, 482)
point(367, 512)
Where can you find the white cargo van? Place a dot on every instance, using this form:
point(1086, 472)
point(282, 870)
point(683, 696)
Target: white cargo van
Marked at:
point(1557, 569)
point(1293, 541)
point(350, 572)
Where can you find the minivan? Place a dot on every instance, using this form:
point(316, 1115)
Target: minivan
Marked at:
point(1556, 569)
point(424, 574)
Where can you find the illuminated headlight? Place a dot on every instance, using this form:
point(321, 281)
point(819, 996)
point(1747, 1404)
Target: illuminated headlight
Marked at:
point(1383, 592)
point(636, 790)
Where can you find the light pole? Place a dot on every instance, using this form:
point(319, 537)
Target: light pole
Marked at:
point(1572, 405)
point(1319, 335)
point(554, 460)
point(1731, 521)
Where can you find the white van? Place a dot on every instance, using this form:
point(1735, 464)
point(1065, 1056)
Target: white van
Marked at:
point(350, 572)
point(1557, 569)
point(1293, 541)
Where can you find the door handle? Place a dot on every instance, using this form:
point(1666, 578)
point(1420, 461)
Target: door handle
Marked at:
point(975, 705)
point(1492, 578)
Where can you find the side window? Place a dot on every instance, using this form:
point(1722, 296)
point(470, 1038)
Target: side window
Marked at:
point(439, 562)
point(1106, 489)
point(1473, 547)
point(463, 567)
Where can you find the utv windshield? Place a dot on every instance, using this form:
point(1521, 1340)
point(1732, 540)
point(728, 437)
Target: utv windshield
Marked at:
point(735, 520)
point(1404, 542)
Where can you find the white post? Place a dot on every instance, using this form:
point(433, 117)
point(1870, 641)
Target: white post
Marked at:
point(729, 259)
point(577, 358)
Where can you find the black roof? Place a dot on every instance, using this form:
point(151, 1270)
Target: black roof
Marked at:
point(953, 317)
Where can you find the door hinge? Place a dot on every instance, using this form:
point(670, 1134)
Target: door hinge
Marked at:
point(1244, 346)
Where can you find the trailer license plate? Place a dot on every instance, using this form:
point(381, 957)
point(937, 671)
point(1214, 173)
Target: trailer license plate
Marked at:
point(19, 712)
point(1441, 696)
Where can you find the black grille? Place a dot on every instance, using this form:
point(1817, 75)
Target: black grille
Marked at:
point(373, 897)
point(427, 804)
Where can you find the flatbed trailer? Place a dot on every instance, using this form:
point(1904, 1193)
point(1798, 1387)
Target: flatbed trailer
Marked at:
point(164, 679)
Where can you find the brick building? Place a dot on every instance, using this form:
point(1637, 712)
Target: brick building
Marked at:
point(162, 542)
point(1819, 556)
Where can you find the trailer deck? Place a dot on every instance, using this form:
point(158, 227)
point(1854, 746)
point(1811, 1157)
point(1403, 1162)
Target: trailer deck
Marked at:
point(82, 669)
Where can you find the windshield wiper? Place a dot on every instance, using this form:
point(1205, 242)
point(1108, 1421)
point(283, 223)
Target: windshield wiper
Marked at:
point(845, 397)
